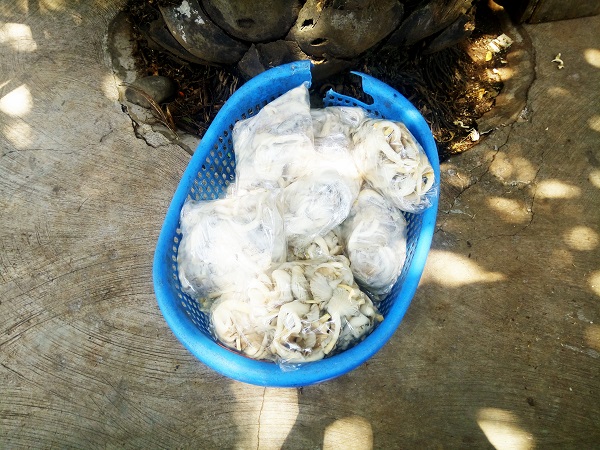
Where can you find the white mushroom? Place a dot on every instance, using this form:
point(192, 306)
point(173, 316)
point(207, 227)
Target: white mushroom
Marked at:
point(300, 287)
point(233, 323)
point(313, 205)
point(310, 328)
point(299, 334)
point(328, 245)
point(351, 319)
point(375, 235)
point(227, 243)
point(394, 163)
point(340, 305)
point(283, 286)
point(275, 146)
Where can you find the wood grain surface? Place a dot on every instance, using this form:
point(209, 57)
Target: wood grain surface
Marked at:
point(500, 347)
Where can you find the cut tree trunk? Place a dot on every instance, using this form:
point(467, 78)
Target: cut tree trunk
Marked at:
point(255, 35)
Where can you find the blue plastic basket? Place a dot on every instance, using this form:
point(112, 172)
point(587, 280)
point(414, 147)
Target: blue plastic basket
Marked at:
point(212, 169)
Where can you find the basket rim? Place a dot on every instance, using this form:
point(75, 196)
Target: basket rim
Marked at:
point(241, 368)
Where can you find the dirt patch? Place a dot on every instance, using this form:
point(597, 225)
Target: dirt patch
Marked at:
point(451, 88)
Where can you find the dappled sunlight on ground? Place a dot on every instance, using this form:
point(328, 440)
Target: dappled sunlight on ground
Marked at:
point(594, 123)
point(17, 102)
point(52, 5)
point(592, 336)
point(453, 270)
point(594, 178)
point(515, 168)
point(502, 429)
point(509, 210)
point(592, 56)
point(594, 282)
point(554, 189)
point(19, 133)
point(557, 91)
point(581, 238)
point(109, 87)
point(14, 105)
point(352, 433)
point(18, 36)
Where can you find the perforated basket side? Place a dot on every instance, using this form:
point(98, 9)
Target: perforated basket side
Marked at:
point(208, 174)
point(390, 104)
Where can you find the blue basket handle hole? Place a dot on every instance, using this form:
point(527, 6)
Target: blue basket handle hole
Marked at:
point(352, 93)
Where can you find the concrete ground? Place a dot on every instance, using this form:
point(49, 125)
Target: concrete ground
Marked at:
point(500, 347)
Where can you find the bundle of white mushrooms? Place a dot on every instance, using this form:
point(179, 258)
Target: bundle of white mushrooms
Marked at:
point(314, 205)
point(275, 147)
point(227, 243)
point(299, 313)
point(374, 235)
point(316, 212)
point(394, 163)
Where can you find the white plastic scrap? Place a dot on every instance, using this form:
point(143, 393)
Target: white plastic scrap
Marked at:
point(375, 238)
point(558, 59)
point(500, 43)
point(394, 164)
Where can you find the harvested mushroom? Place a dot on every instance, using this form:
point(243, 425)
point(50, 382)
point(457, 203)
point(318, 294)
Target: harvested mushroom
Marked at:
point(274, 147)
point(227, 243)
point(313, 205)
point(395, 164)
point(375, 239)
point(326, 303)
point(301, 333)
point(327, 245)
point(237, 324)
point(304, 311)
point(333, 128)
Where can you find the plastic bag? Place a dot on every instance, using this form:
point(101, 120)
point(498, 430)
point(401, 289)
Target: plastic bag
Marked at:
point(333, 128)
point(328, 245)
point(374, 235)
point(227, 243)
point(315, 204)
point(328, 312)
point(305, 310)
point(242, 326)
point(274, 148)
point(395, 164)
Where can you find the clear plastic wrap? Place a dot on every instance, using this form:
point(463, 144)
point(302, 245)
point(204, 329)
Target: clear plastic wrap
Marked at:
point(374, 235)
point(298, 177)
point(274, 147)
point(242, 326)
point(315, 204)
point(327, 245)
point(328, 312)
point(308, 309)
point(333, 128)
point(227, 243)
point(395, 164)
